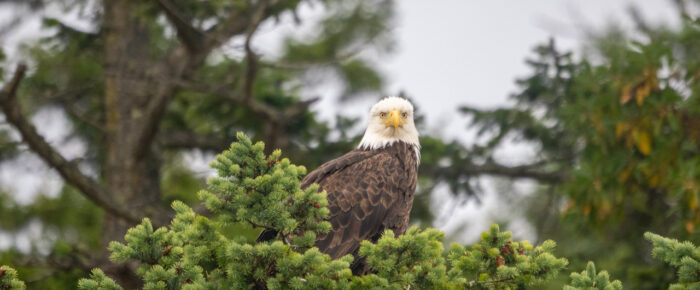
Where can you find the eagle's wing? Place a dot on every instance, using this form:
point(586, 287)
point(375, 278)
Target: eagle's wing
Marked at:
point(363, 188)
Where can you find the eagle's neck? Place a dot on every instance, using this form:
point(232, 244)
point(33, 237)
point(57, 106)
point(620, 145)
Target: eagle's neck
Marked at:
point(370, 142)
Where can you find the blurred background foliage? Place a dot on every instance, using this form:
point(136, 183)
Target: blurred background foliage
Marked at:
point(616, 129)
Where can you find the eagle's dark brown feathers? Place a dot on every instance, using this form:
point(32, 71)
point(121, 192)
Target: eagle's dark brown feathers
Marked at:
point(369, 191)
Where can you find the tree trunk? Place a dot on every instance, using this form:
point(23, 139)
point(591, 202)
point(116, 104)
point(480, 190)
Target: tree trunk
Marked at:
point(132, 178)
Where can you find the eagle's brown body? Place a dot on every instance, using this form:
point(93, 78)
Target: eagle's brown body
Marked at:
point(369, 191)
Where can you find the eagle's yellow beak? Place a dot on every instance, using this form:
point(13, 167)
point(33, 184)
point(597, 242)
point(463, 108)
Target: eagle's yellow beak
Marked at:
point(394, 120)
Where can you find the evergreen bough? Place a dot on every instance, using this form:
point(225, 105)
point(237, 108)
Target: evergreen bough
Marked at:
point(9, 280)
point(588, 280)
point(497, 262)
point(263, 191)
point(682, 255)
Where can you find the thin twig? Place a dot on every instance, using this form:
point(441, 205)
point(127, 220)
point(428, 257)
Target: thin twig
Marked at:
point(251, 57)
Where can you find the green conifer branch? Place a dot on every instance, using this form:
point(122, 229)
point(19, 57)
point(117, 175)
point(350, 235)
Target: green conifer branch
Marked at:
point(682, 255)
point(588, 279)
point(98, 281)
point(497, 261)
point(9, 280)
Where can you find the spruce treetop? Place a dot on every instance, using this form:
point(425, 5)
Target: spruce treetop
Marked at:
point(195, 252)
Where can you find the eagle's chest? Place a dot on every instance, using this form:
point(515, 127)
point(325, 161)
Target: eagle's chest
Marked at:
point(407, 177)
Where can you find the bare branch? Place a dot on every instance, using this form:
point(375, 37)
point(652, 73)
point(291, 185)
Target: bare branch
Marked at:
point(299, 108)
point(188, 34)
point(310, 64)
point(182, 62)
point(73, 112)
point(682, 7)
point(237, 22)
point(639, 20)
point(523, 171)
point(68, 170)
point(10, 89)
point(271, 114)
point(77, 257)
point(492, 168)
point(251, 57)
point(265, 111)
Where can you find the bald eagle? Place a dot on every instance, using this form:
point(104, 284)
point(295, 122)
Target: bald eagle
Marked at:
point(371, 188)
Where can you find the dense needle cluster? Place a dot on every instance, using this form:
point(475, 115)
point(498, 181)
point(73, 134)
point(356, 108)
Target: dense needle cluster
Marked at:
point(497, 262)
point(9, 280)
point(588, 280)
point(682, 255)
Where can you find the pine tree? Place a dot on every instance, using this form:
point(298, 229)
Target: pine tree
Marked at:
point(588, 279)
point(194, 252)
point(681, 255)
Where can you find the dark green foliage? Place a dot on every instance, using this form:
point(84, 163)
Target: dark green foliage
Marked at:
point(589, 279)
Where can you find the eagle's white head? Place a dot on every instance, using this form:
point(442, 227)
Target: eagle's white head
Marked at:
point(390, 120)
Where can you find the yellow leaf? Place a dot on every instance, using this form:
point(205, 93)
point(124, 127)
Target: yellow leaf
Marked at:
point(568, 207)
point(626, 95)
point(587, 209)
point(643, 142)
point(651, 79)
point(642, 92)
point(654, 82)
point(654, 180)
point(692, 201)
point(595, 119)
point(604, 209)
point(624, 175)
point(621, 128)
point(689, 226)
point(689, 184)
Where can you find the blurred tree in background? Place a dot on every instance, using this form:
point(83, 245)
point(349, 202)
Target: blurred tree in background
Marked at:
point(617, 145)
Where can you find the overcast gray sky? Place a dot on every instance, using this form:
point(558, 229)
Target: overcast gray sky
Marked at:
point(454, 52)
point(450, 53)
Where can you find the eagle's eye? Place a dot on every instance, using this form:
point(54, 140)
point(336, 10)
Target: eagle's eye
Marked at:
point(382, 115)
point(404, 115)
